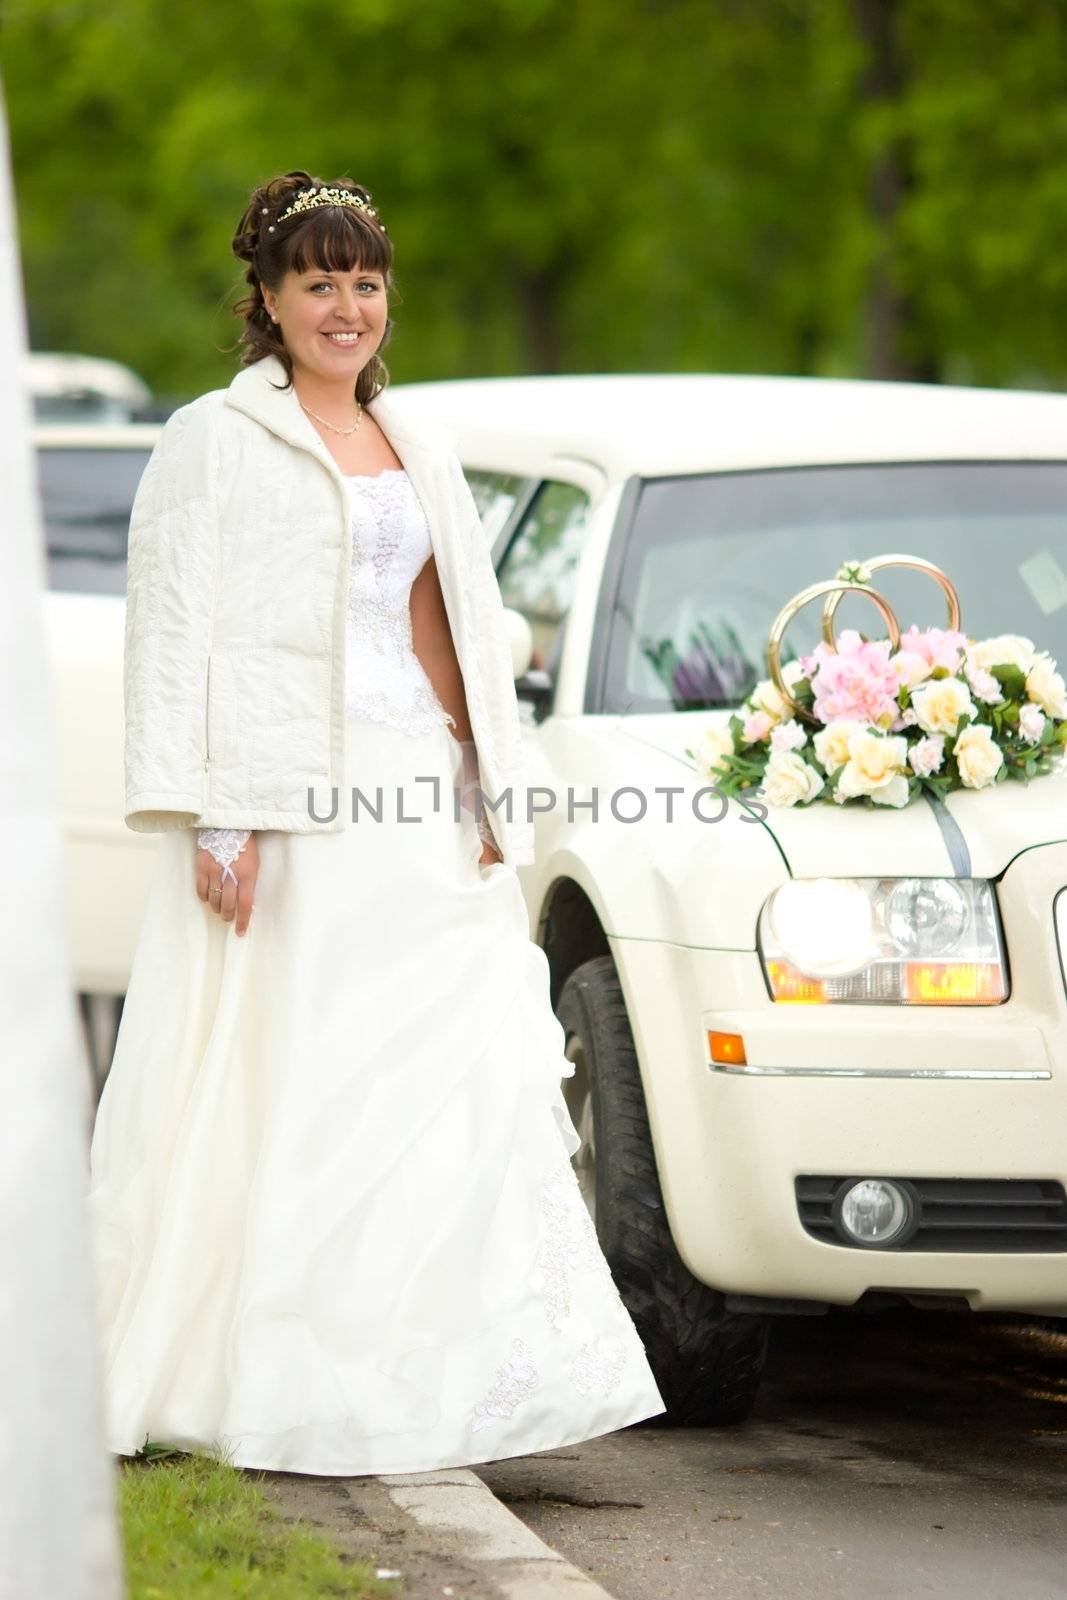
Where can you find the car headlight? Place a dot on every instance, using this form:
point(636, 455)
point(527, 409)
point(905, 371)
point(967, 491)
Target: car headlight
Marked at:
point(884, 941)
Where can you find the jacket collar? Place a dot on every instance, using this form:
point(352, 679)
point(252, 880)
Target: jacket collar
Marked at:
point(254, 391)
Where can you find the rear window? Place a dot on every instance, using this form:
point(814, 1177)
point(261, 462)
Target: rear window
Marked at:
point(87, 496)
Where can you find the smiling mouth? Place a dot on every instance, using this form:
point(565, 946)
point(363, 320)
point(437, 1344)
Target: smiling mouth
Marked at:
point(344, 340)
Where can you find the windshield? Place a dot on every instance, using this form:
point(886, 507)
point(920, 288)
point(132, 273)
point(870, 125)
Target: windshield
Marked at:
point(709, 562)
point(86, 498)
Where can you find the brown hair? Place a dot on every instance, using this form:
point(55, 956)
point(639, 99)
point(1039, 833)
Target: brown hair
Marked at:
point(332, 238)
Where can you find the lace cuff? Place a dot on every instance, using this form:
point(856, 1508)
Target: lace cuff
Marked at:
point(471, 796)
point(225, 845)
point(485, 832)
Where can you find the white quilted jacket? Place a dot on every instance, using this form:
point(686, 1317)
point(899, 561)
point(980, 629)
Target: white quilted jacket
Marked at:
point(239, 557)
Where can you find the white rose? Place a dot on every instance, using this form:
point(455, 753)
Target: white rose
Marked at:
point(765, 697)
point(1031, 723)
point(940, 703)
point(876, 767)
point(1045, 686)
point(789, 780)
point(978, 756)
point(1006, 650)
point(831, 743)
point(788, 736)
point(910, 667)
point(926, 755)
point(713, 744)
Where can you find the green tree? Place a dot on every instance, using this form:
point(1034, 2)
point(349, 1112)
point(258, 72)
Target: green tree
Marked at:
point(823, 186)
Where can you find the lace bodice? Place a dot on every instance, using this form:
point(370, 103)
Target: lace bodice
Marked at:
point(385, 679)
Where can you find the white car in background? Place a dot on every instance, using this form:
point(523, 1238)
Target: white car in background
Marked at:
point(873, 1145)
point(65, 387)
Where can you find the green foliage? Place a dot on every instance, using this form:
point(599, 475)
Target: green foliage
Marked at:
point(618, 185)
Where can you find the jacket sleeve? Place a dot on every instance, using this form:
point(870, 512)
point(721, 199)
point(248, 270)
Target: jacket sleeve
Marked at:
point(170, 597)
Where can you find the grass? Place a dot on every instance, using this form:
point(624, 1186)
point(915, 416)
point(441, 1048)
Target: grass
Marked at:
point(196, 1528)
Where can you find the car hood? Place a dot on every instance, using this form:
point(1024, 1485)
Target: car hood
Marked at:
point(974, 834)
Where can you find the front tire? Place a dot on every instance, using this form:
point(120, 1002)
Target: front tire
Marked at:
point(706, 1360)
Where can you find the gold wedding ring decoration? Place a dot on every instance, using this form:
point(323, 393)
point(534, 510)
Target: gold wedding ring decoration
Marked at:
point(834, 590)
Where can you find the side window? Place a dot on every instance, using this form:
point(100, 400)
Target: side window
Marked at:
point(537, 573)
point(495, 494)
point(86, 496)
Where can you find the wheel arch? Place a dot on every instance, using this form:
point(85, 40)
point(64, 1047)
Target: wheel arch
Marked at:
point(570, 930)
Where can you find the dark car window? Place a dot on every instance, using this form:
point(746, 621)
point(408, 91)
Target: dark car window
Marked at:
point(87, 495)
point(710, 561)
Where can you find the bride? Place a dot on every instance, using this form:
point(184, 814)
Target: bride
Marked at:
point(335, 1224)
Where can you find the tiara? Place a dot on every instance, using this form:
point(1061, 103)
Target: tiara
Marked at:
point(308, 199)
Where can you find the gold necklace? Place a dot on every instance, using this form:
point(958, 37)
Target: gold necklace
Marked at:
point(344, 431)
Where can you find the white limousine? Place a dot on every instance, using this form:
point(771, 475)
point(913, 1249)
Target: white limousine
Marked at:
point(743, 1154)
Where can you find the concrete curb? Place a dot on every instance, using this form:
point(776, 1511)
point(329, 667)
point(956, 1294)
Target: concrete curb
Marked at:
point(455, 1503)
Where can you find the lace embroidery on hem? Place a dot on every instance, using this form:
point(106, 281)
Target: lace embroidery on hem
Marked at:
point(598, 1365)
point(515, 1382)
point(569, 1244)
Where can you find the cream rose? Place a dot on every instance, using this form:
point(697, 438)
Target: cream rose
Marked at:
point(1046, 687)
point(940, 703)
point(910, 668)
point(789, 781)
point(1006, 650)
point(713, 744)
point(978, 756)
point(831, 743)
point(765, 697)
point(876, 767)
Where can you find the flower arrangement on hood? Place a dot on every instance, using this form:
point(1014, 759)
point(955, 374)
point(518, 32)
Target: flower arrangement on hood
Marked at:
point(883, 725)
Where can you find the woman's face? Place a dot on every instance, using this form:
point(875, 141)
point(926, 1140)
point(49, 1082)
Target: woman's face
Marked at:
point(318, 314)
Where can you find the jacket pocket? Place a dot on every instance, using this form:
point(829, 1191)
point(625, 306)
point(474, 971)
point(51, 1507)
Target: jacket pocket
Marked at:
point(207, 714)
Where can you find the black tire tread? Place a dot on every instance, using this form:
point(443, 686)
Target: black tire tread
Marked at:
point(707, 1361)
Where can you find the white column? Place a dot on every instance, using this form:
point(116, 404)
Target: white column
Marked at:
point(58, 1530)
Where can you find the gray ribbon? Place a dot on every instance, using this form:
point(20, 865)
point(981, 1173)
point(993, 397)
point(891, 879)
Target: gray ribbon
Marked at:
point(952, 834)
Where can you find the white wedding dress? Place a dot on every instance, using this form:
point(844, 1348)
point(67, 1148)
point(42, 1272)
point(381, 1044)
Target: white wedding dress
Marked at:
point(335, 1224)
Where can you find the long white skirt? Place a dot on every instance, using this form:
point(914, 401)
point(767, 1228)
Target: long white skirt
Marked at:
point(335, 1223)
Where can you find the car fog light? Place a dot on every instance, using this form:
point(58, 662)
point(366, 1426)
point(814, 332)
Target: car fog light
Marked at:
point(874, 1211)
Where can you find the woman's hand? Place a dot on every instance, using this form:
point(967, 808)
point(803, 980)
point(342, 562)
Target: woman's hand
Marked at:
point(217, 889)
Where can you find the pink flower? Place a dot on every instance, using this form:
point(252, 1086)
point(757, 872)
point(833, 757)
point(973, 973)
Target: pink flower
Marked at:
point(984, 686)
point(857, 683)
point(1031, 723)
point(810, 664)
point(926, 755)
point(939, 647)
point(756, 727)
point(788, 736)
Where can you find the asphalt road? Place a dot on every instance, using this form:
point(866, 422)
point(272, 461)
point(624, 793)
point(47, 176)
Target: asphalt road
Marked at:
point(892, 1455)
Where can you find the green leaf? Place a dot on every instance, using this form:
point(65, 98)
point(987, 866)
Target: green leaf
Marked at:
point(1012, 681)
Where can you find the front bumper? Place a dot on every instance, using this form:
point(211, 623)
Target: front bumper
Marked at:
point(881, 1091)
